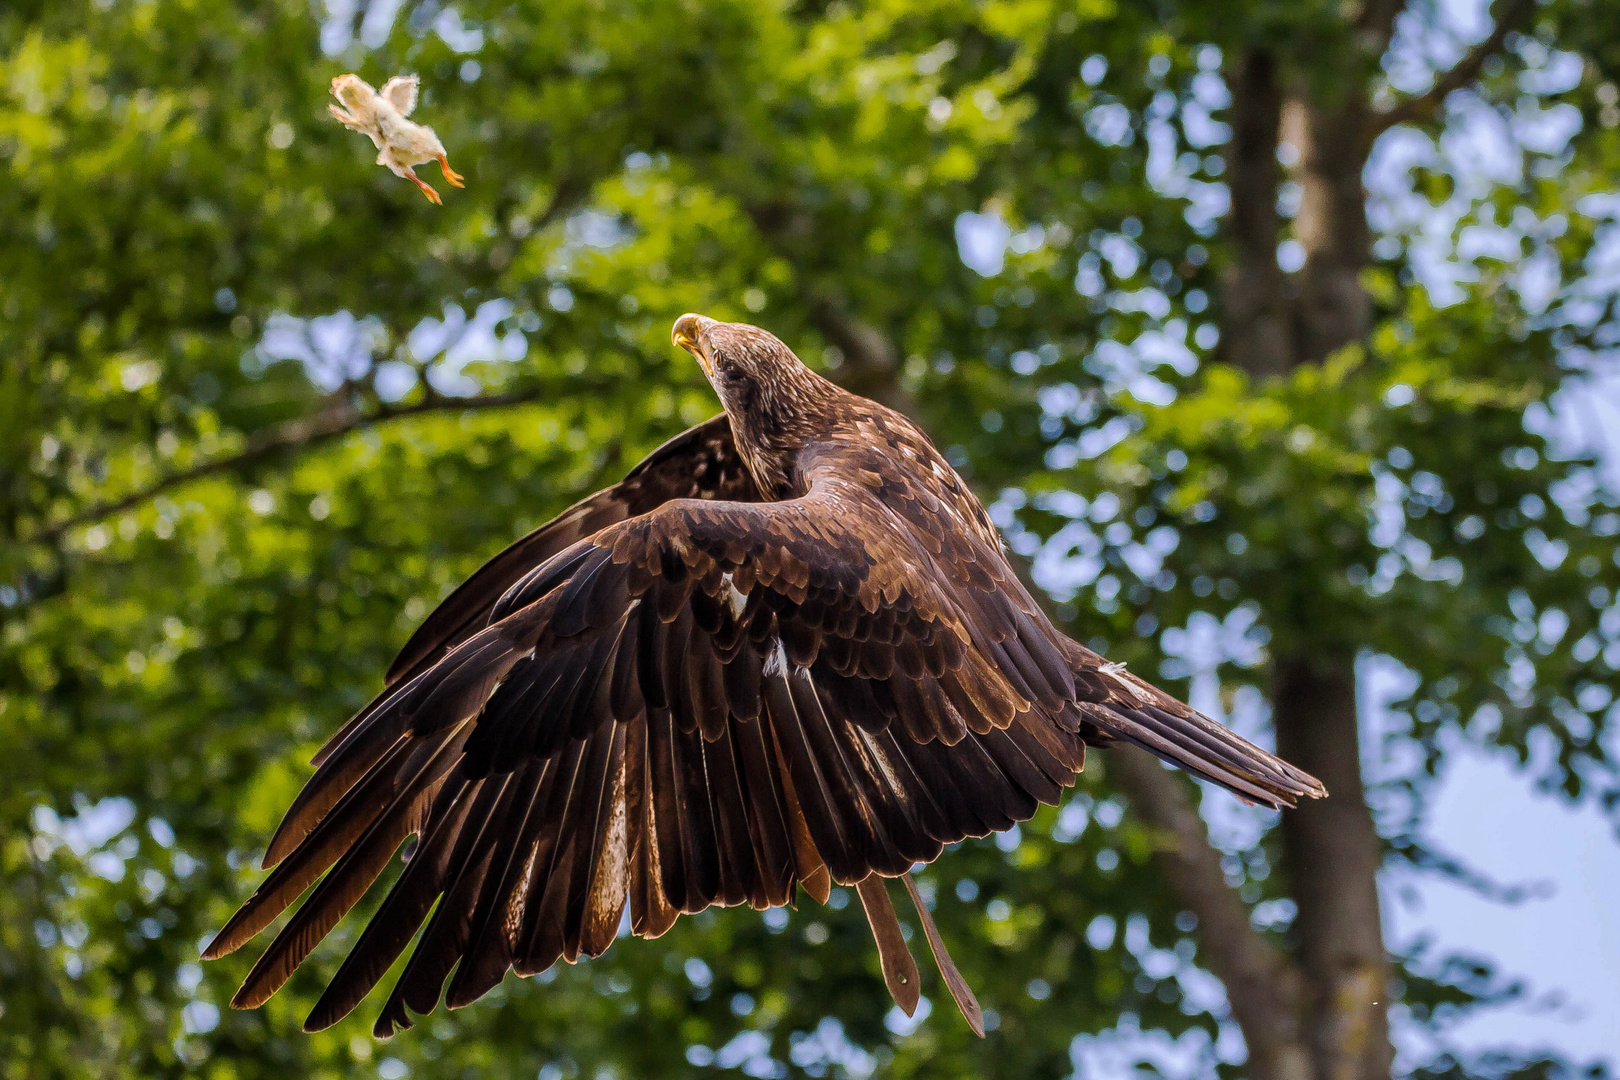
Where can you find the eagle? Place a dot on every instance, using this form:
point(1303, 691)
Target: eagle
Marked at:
point(786, 651)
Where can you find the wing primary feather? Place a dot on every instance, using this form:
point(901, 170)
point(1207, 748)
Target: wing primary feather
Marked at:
point(562, 891)
point(698, 833)
point(488, 952)
point(739, 874)
point(609, 884)
point(595, 888)
point(813, 795)
point(540, 936)
point(322, 847)
point(1010, 756)
point(592, 805)
point(773, 845)
point(923, 798)
point(395, 923)
point(873, 847)
point(441, 942)
point(334, 777)
point(668, 849)
point(338, 892)
point(651, 913)
point(808, 865)
point(460, 684)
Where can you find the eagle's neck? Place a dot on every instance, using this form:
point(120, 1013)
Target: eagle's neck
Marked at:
point(774, 419)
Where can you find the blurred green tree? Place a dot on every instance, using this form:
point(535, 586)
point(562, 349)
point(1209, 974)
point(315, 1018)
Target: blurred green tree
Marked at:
point(261, 406)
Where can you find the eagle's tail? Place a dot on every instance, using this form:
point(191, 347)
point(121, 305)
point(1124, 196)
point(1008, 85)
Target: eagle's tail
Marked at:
point(1122, 707)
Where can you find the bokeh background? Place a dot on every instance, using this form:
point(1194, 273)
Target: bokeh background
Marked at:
point(1279, 336)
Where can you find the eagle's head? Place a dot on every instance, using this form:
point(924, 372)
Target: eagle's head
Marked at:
point(775, 403)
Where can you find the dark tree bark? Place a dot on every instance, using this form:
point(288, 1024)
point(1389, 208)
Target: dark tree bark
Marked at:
point(1332, 848)
point(1255, 331)
point(1273, 324)
point(1332, 854)
point(1333, 310)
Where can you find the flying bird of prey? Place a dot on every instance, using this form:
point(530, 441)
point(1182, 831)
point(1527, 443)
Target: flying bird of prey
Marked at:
point(787, 650)
point(401, 144)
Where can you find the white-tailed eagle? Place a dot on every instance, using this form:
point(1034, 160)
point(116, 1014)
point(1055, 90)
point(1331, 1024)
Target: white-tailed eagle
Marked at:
point(787, 650)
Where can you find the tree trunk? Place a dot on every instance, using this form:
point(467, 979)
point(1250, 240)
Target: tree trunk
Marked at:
point(1256, 334)
point(1332, 856)
point(1262, 985)
point(1334, 309)
point(1272, 324)
point(1332, 848)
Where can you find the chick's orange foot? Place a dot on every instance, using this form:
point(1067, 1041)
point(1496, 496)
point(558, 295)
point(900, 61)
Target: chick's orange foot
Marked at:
point(453, 178)
point(427, 189)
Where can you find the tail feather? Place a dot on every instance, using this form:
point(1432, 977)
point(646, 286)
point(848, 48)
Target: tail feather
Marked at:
point(1137, 712)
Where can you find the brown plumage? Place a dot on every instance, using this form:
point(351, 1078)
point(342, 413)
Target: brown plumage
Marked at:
point(786, 650)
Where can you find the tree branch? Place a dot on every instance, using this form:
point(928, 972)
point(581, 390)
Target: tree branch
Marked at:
point(330, 423)
point(1375, 24)
point(1261, 984)
point(1466, 70)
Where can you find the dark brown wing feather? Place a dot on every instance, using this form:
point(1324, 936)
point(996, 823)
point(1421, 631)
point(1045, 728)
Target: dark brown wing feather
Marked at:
point(699, 463)
point(678, 696)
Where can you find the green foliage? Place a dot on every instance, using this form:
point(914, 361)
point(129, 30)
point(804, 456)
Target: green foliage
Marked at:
point(173, 192)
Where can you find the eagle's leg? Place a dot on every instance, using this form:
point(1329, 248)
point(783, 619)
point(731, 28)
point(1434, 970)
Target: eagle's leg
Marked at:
point(451, 176)
point(899, 969)
point(433, 196)
point(960, 991)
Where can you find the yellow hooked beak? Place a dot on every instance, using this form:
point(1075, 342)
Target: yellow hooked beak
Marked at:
point(688, 334)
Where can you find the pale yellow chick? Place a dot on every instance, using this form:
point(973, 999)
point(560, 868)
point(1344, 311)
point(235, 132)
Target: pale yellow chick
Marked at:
point(401, 145)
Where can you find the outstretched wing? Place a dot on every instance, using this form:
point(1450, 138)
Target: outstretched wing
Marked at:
point(700, 463)
point(710, 703)
point(400, 91)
